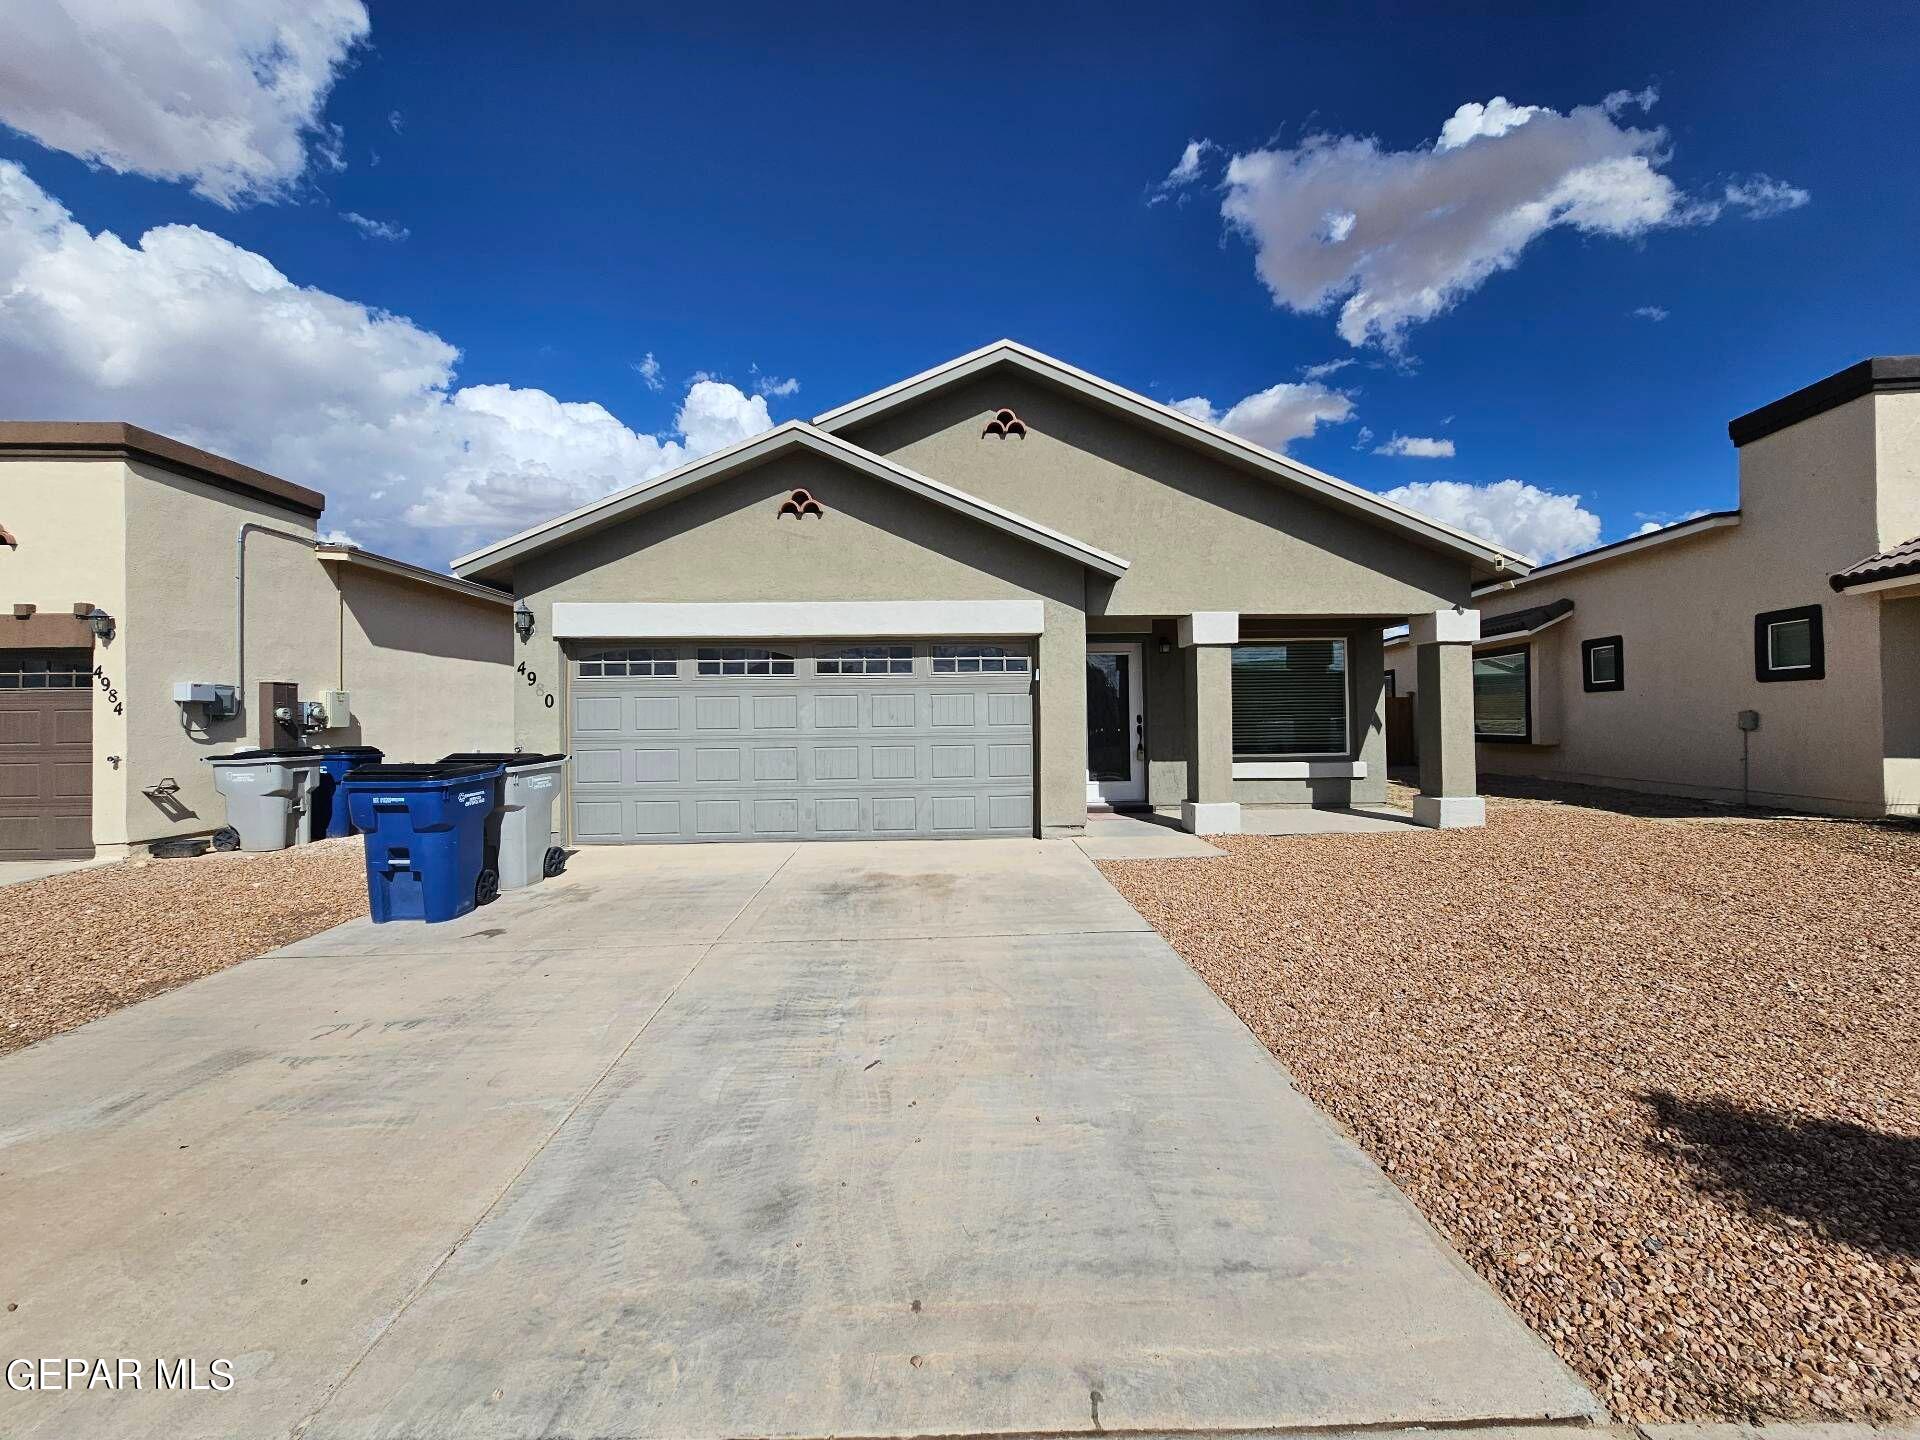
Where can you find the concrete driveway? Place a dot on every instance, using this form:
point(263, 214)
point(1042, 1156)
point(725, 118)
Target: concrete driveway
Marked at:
point(874, 1140)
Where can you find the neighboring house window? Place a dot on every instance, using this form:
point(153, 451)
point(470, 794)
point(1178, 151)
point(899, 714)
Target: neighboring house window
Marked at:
point(1392, 684)
point(1290, 698)
point(1603, 663)
point(977, 659)
point(45, 669)
point(743, 660)
point(866, 660)
point(1502, 704)
point(1789, 645)
point(629, 660)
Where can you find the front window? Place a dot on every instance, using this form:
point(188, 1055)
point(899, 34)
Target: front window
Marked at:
point(980, 659)
point(1502, 709)
point(1290, 698)
point(1789, 645)
point(743, 660)
point(627, 660)
point(866, 660)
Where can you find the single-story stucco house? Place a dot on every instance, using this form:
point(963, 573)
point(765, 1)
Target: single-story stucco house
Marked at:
point(981, 601)
point(144, 578)
point(1768, 653)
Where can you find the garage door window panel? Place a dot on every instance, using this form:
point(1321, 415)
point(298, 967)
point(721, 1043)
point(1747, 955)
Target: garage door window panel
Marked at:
point(45, 670)
point(742, 660)
point(981, 660)
point(629, 662)
point(865, 660)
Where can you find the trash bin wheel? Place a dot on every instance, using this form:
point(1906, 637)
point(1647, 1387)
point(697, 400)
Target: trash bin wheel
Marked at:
point(226, 838)
point(555, 862)
point(486, 889)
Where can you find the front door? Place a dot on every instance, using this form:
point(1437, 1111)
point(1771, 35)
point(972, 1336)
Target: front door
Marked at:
point(1116, 726)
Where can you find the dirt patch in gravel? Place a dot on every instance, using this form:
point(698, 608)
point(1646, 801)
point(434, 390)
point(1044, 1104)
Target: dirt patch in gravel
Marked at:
point(74, 947)
point(1657, 1079)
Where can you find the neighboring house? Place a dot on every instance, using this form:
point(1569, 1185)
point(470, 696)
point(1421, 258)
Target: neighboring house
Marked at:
point(980, 602)
point(123, 570)
point(1798, 614)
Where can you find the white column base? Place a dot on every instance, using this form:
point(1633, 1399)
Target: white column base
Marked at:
point(1450, 812)
point(1210, 817)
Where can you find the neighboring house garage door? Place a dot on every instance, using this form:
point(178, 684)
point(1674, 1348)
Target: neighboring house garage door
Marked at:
point(885, 739)
point(46, 754)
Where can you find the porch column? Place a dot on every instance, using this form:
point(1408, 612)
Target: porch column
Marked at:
point(1206, 641)
point(1443, 714)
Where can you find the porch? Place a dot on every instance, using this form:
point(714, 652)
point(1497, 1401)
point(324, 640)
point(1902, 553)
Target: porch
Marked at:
point(1249, 723)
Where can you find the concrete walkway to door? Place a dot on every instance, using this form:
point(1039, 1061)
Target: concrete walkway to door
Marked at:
point(877, 1140)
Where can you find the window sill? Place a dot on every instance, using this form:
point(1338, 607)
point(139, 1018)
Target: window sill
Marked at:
point(1299, 769)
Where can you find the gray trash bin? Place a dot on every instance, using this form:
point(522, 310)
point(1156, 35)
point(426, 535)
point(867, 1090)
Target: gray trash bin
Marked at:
point(268, 794)
point(529, 848)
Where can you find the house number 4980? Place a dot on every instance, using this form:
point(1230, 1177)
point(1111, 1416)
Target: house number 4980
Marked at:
point(533, 679)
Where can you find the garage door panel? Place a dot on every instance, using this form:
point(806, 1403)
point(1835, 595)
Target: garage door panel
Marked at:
point(806, 756)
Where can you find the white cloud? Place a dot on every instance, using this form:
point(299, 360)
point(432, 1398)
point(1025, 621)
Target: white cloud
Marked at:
point(1522, 517)
point(375, 229)
point(397, 121)
point(192, 335)
point(648, 369)
point(1276, 415)
point(1396, 237)
point(1185, 171)
point(1417, 446)
point(1326, 368)
point(1651, 521)
point(1364, 438)
point(227, 94)
point(1654, 313)
point(768, 385)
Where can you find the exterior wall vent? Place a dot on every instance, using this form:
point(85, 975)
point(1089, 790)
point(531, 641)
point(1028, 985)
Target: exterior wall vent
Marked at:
point(801, 503)
point(1005, 423)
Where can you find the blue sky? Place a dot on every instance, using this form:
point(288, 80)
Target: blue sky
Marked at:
point(762, 198)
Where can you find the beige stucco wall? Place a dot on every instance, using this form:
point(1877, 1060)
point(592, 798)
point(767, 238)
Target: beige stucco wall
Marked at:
point(1685, 609)
point(875, 542)
point(429, 670)
point(70, 519)
point(180, 627)
point(1200, 533)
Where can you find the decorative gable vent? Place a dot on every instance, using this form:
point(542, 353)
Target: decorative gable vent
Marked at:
point(801, 503)
point(1005, 423)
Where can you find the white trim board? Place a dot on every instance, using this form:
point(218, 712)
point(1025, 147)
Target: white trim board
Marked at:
point(1495, 558)
point(792, 620)
point(722, 464)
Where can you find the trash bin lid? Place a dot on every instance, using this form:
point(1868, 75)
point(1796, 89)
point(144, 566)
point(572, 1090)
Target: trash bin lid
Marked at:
point(435, 771)
point(502, 757)
point(347, 750)
point(263, 757)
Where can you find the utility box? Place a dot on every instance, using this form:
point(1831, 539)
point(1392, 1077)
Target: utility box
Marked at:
point(222, 702)
point(339, 709)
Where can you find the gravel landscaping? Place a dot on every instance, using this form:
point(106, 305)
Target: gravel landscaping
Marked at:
point(74, 947)
point(1657, 1076)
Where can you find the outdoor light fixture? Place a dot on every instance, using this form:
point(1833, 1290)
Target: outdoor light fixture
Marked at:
point(101, 623)
point(522, 621)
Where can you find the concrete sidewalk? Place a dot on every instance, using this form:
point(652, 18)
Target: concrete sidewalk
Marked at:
point(877, 1140)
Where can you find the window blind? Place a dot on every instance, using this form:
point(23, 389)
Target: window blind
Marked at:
point(1290, 698)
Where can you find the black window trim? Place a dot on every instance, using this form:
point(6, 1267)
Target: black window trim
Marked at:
point(1526, 695)
point(1763, 667)
point(1619, 681)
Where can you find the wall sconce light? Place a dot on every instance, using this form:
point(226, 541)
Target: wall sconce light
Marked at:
point(101, 623)
point(522, 621)
point(1166, 647)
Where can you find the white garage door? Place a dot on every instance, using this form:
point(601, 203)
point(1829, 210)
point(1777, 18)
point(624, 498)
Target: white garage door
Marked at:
point(779, 740)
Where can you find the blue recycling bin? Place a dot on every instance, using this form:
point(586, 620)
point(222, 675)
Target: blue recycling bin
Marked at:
point(426, 837)
point(329, 800)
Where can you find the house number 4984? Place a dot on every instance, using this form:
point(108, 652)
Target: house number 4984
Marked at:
point(113, 695)
point(533, 679)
